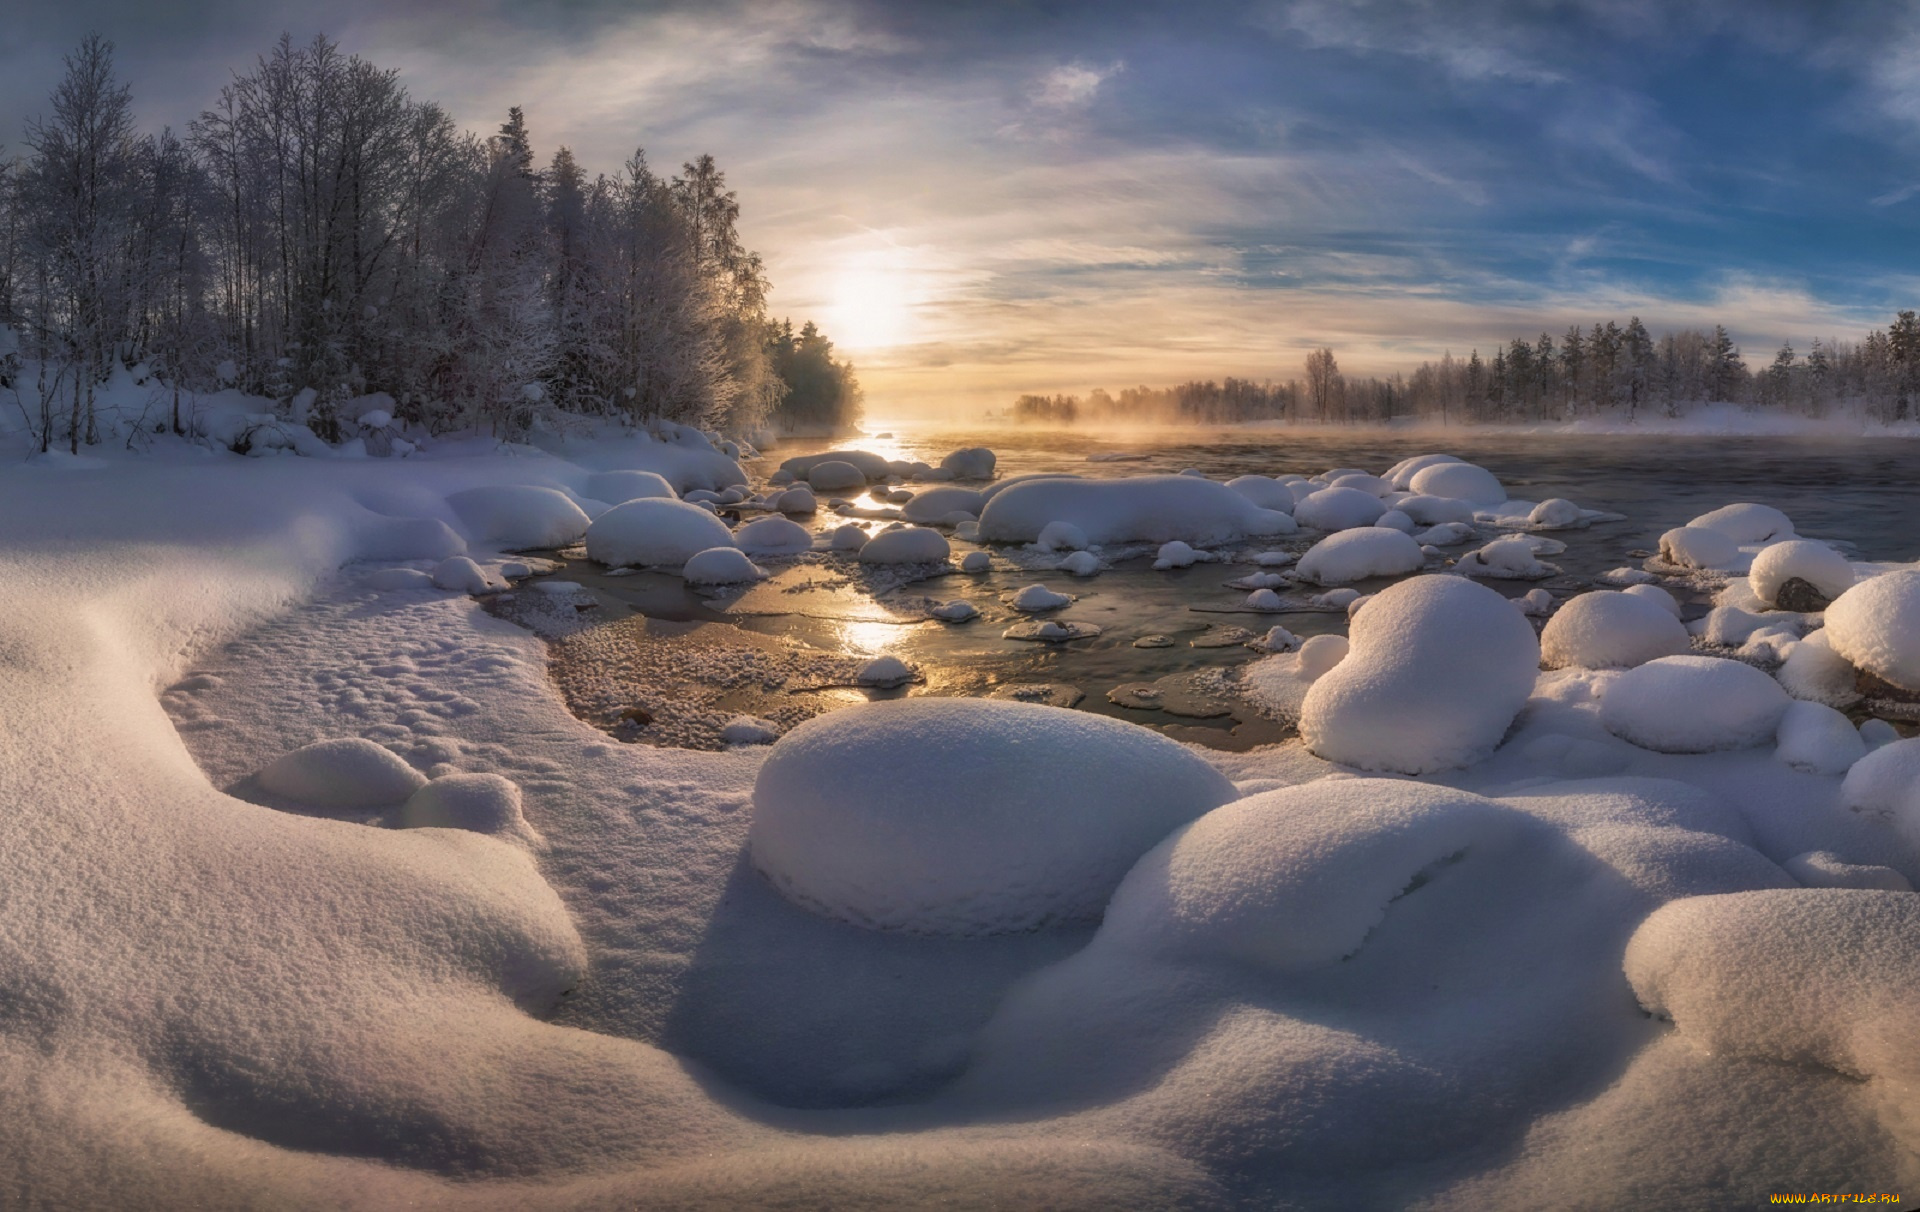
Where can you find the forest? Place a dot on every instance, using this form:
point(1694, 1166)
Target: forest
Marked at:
point(1606, 372)
point(318, 237)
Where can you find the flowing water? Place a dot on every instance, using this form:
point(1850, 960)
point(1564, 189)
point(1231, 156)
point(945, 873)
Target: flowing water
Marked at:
point(1863, 493)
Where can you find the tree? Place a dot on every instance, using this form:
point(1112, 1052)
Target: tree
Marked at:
point(1724, 366)
point(821, 394)
point(1323, 382)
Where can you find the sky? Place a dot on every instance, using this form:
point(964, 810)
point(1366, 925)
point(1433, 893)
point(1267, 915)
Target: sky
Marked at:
point(976, 200)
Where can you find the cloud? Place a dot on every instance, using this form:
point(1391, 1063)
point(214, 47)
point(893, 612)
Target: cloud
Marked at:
point(1071, 85)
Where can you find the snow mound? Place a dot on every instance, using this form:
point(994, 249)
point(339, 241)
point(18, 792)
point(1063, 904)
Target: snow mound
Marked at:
point(1401, 474)
point(1508, 559)
point(1295, 879)
point(835, 476)
point(1338, 509)
point(1805, 977)
point(654, 531)
point(794, 500)
point(1264, 491)
point(619, 487)
point(1462, 481)
point(976, 561)
point(1061, 536)
point(1607, 629)
point(1693, 704)
point(1175, 555)
point(847, 538)
point(1825, 869)
point(1081, 564)
point(934, 504)
point(721, 566)
point(1876, 626)
point(478, 803)
point(1436, 511)
point(1437, 670)
point(1822, 568)
point(1655, 594)
point(399, 578)
point(773, 536)
point(749, 730)
point(957, 611)
point(1144, 509)
point(1359, 553)
point(1363, 481)
point(1699, 547)
point(973, 463)
point(1747, 523)
point(870, 466)
point(409, 539)
point(1039, 597)
point(910, 546)
point(1554, 513)
point(462, 575)
point(967, 817)
point(885, 673)
point(349, 772)
point(1815, 737)
point(1878, 782)
point(516, 516)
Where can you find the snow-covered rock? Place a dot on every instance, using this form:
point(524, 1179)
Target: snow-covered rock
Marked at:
point(968, 817)
point(1061, 536)
point(1338, 509)
point(913, 545)
point(721, 566)
point(350, 772)
point(976, 562)
point(1175, 555)
point(1510, 559)
point(973, 463)
point(749, 730)
point(1815, 737)
point(1699, 547)
point(1039, 597)
point(957, 611)
point(871, 466)
point(1747, 523)
point(833, 475)
point(1813, 671)
point(478, 803)
point(1401, 474)
point(773, 536)
point(619, 487)
point(1825, 869)
point(1393, 519)
point(1436, 511)
point(656, 532)
point(1554, 513)
point(797, 500)
point(847, 538)
point(1655, 594)
point(1876, 626)
point(1359, 553)
point(516, 516)
point(1462, 481)
point(1438, 668)
point(1693, 704)
point(1081, 564)
point(1264, 491)
point(462, 575)
point(1607, 629)
point(885, 673)
point(936, 504)
point(1143, 509)
point(1362, 481)
point(1819, 567)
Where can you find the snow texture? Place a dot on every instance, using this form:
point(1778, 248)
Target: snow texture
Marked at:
point(1461, 481)
point(1693, 704)
point(913, 545)
point(1815, 737)
point(619, 487)
point(519, 516)
point(654, 532)
point(1607, 629)
point(1747, 523)
point(773, 536)
point(1338, 509)
point(1699, 547)
point(1876, 626)
point(1803, 559)
point(721, 566)
point(347, 772)
point(1355, 555)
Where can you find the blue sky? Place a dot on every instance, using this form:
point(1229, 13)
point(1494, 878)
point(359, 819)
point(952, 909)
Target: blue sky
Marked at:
point(980, 199)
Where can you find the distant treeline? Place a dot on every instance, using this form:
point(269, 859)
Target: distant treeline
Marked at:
point(318, 235)
point(1606, 371)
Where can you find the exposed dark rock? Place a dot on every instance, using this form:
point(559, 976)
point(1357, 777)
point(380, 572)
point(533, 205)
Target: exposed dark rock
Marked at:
point(1800, 596)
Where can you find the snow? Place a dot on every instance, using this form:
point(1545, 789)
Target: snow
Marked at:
point(1881, 781)
point(1746, 523)
point(973, 463)
point(1446, 534)
point(1061, 536)
point(1693, 704)
point(1804, 559)
point(1393, 519)
point(1081, 564)
point(847, 538)
point(1815, 737)
point(798, 500)
point(1142, 509)
point(1020, 817)
point(1401, 474)
point(1338, 509)
point(347, 772)
point(1438, 668)
point(773, 536)
point(480, 803)
point(912, 545)
point(1175, 555)
point(462, 575)
point(1320, 653)
point(1354, 555)
point(619, 487)
point(1435, 511)
point(976, 562)
point(749, 730)
point(1554, 513)
point(885, 673)
point(1264, 491)
point(1608, 629)
point(1039, 597)
point(1462, 481)
point(654, 532)
point(721, 566)
point(1825, 869)
point(1362, 481)
point(835, 476)
point(870, 466)
point(1698, 547)
point(1510, 559)
point(957, 611)
point(519, 516)
point(1876, 626)
point(934, 504)
point(1653, 593)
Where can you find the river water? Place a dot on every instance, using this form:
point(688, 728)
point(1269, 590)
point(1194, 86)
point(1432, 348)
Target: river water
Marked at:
point(1863, 493)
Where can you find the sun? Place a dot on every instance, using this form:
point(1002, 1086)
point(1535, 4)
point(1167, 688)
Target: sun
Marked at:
point(872, 308)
